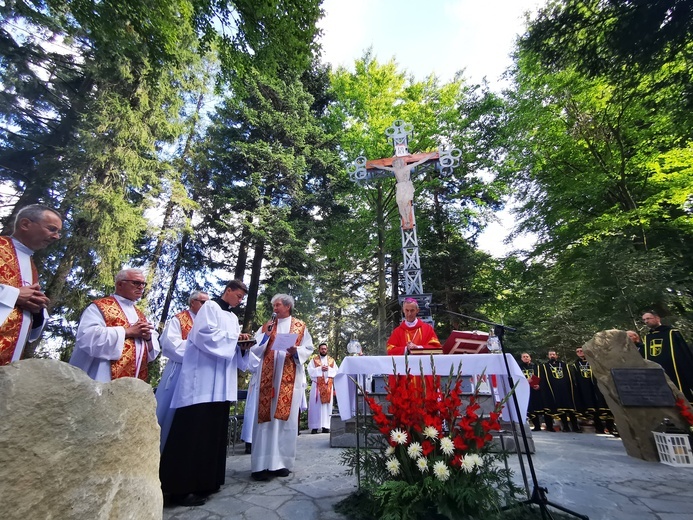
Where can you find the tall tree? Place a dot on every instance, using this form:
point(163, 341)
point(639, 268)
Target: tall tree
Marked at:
point(599, 159)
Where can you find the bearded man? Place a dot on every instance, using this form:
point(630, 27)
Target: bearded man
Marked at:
point(665, 345)
point(321, 369)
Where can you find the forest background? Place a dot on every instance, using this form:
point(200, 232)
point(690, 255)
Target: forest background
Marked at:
point(204, 140)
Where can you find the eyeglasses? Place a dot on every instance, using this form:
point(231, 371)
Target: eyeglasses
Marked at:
point(136, 283)
point(199, 300)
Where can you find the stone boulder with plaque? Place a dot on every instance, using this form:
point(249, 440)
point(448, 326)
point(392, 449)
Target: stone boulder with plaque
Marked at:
point(638, 392)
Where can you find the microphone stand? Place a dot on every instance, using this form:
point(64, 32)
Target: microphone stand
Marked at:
point(538, 495)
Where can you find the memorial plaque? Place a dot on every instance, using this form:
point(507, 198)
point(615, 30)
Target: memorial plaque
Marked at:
point(642, 387)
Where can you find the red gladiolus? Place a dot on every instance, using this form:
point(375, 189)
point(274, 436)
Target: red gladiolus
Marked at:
point(415, 403)
point(459, 443)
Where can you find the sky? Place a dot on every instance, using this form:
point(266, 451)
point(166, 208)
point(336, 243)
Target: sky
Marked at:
point(437, 37)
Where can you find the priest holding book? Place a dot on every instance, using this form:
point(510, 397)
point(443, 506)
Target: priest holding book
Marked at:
point(412, 335)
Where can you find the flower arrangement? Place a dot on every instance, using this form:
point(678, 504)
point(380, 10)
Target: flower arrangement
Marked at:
point(436, 456)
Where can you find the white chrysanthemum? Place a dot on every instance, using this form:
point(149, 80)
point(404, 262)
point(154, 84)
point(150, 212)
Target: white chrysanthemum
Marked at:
point(476, 460)
point(392, 466)
point(414, 450)
point(389, 451)
point(468, 464)
point(441, 471)
point(398, 436)
point(447, 446)
point(422, 464)
point(430, 432)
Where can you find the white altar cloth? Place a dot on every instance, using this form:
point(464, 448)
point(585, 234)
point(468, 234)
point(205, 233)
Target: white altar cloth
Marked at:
point(472, 364)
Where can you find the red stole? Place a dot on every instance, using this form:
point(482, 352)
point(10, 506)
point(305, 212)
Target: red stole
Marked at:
point(186, 323)
point(324, 387)
point(114, 316)
point(11, 274)
point(286, 387)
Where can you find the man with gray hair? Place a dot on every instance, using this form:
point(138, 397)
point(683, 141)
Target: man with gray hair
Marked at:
point(114, 338)
point(174, 341)
point(22, 302)
point(280, 390)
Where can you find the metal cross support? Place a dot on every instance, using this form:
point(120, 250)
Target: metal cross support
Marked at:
point(401, 164)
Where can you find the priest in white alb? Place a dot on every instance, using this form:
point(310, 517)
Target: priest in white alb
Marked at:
point(280, 391)
point(193, 462)
point(174, 342)
point(321, 369)
point(22, 302)
point(114, 338)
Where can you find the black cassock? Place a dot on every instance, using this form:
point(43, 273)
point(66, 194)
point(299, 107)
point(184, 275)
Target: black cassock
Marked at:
point(535, 408)
point(557, 388)
point(589, 399)
point(665, 345)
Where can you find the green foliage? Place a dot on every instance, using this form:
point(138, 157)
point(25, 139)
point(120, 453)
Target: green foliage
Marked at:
point(97, 94)
point(610, 37)
point(449, 207)
point(597, 148)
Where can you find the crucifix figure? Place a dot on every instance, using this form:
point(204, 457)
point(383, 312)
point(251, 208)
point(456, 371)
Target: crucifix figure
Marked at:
point(405, 188)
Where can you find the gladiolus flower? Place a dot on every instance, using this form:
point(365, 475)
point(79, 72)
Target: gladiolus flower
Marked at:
point(398, 436)
point(459, 443)
point(441, 471)
point(427, 448)
point(414, 450)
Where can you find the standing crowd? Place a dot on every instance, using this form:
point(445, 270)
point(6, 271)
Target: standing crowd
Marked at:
point(568, 392)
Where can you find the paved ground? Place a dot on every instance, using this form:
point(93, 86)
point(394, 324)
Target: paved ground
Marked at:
point(587, 473)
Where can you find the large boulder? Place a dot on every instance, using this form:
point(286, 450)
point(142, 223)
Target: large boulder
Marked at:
point(72, 448)
point(613, 349)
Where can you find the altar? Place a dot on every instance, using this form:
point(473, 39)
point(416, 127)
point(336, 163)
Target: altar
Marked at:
point(357, 367)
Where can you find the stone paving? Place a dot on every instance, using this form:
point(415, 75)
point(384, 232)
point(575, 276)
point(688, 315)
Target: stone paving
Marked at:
point(587, 473)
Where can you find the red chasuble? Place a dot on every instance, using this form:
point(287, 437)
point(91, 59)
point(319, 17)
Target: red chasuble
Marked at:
point(420, 334)
point(10, 274)
point(114, 316)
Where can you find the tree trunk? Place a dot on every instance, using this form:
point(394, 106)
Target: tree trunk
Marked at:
point(253, 288)
point(242, 260)
point(174, 278)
